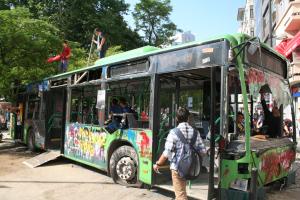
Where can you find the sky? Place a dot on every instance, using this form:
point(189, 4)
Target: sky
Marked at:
point(204, 18)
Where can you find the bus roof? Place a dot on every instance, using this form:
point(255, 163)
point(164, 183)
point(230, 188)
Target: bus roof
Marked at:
point(146, 51)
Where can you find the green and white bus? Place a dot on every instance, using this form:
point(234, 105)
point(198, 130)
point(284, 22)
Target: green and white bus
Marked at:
point(214, 79)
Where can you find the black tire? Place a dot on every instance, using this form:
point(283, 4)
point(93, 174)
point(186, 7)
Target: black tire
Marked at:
point(31, 141)
point(123, 167)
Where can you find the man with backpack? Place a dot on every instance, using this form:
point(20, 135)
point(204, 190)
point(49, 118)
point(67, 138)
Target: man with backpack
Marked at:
point(182, 149)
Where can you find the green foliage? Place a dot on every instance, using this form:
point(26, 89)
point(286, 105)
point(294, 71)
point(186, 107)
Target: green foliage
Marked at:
point(25, 44)
point(152, 18)
point(77, 19)
point(94, 55)
point(34, 30)
point(114, 50)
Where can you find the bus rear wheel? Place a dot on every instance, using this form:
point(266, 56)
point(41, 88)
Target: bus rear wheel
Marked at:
point(124, 166)
point(31, 140)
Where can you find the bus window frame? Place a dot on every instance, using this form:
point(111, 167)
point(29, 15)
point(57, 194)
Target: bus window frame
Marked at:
point(208, 49)
point(263, 52)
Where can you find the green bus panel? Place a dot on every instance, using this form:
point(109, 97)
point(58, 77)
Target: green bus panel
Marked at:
point(272, 164)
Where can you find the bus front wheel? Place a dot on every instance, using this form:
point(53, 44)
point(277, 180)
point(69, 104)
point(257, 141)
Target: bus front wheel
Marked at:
point(124, 166)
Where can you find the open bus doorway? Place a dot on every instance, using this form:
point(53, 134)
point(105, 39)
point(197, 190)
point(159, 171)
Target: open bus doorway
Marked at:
point(190, 89)
point(54, 117)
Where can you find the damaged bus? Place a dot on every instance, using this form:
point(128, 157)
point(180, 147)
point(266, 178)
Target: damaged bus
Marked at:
point(218, 80)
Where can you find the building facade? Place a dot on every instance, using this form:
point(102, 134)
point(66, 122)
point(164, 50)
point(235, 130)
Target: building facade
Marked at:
point(287, 31)
point(277, 23)
point(265, 20)
point(246, 18)
point(181, 38)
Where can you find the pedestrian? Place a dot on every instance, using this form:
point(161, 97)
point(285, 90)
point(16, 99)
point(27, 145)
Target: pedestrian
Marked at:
point(64, 57)
point(19, 125)
point(100, 42)
point(173, 151)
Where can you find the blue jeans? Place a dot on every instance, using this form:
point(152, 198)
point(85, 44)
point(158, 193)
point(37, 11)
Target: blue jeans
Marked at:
point(63, 67)
point(102, 53)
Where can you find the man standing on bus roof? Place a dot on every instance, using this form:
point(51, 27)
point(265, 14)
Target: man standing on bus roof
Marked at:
point(65, 55)
point(100, 42)
point(172, 151)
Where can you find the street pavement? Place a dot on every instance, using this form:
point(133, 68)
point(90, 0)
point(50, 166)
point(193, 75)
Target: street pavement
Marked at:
point(63, 179)
point(60, 180)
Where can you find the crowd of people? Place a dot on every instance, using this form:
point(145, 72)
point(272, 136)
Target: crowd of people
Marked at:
point(268, 122)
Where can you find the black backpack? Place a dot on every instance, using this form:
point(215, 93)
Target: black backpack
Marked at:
point(189, 164)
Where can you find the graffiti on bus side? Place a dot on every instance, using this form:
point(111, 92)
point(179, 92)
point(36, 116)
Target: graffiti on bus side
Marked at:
point(89, 143)
point(142, 141)
point(86, 142)
point(274, 163)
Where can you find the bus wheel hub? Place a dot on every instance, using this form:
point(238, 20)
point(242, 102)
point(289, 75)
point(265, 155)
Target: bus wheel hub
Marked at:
point(125, 168)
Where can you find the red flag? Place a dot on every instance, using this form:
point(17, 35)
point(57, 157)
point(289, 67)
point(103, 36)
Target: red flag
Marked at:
point(54, 58)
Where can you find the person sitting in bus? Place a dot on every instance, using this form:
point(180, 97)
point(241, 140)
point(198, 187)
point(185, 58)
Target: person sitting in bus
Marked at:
point(115, 107)
point(113, 119)
point(124, 106)
point(240, 127)
point(271, 119)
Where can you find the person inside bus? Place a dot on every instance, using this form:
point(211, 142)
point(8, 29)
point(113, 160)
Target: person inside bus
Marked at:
point(124, 106)
point(240, 126)
point(114, 120)
point(288, 128)
point(115, 107)
point(272, 120)
point(130, 113)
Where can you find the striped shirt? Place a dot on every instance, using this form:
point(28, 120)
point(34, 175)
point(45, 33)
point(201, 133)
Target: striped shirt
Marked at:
point(173, 145)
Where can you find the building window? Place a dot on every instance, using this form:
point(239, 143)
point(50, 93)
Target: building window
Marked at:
point(252, 31)
point(251, 12)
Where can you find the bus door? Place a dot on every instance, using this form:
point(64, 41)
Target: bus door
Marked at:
point(190, 89)
point(55, 110)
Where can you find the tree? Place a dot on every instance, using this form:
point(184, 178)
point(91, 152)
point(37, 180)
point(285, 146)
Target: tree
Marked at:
point(80, 18)
point(25, 45)
point(76, 19)
point(152, 18)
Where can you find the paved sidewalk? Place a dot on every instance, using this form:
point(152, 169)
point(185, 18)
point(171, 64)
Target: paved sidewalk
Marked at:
point(60, 180)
